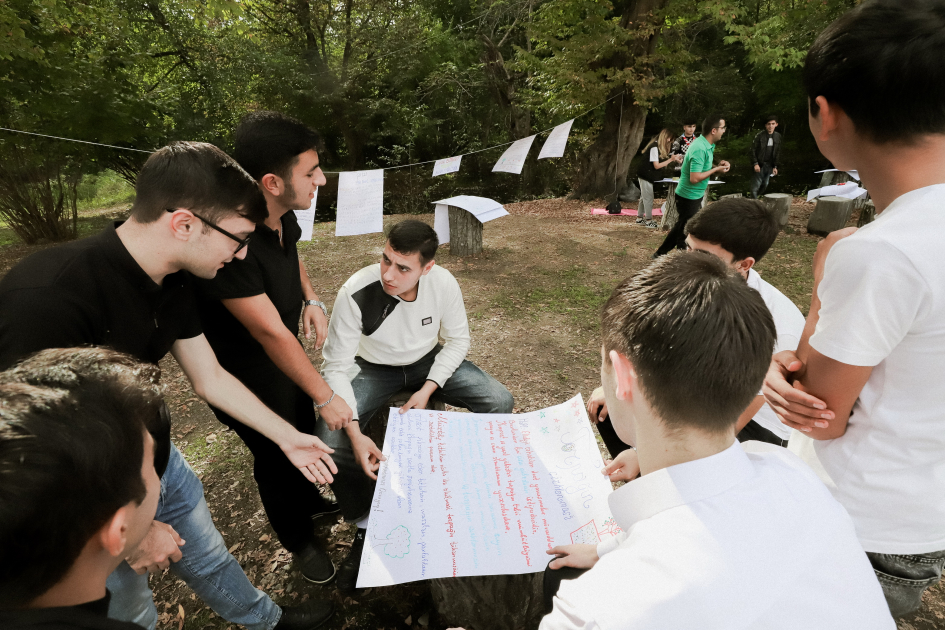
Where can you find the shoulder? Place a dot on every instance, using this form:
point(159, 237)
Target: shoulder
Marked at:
point(361, 278)
point(783, 310)
point(60, 265)
point(442, 281)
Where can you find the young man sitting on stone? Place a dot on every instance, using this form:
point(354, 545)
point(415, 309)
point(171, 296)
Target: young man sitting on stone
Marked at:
point(383, 338)
point(713, 536)
point(80, 488)
point(740, 232)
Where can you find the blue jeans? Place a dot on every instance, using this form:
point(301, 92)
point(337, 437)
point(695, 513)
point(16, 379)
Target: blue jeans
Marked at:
point(207, 567)
point(759, 181)
point(905, 577)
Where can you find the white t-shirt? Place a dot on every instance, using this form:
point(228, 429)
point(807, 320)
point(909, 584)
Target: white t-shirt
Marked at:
point(737, 540)
point(789, 323)
point(883, 305)
point(654, 155)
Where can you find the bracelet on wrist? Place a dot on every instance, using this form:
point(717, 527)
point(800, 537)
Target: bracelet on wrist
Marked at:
point(327, 402)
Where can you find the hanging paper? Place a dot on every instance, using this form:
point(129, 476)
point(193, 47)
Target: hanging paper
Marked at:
point(446, 165)
point(306, 219)
point(482, 208)
point(556, 142)
point(513, 159)
point(441, 223)
point(463, 494)
point(360, 203)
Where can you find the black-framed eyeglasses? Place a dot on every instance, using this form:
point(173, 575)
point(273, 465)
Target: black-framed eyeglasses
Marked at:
point(243, 242)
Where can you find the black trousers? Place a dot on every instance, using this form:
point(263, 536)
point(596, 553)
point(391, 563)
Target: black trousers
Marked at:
point(754, 431)
point(676, 239)
point(613, 443)
point(551, 582)
point(288, 497)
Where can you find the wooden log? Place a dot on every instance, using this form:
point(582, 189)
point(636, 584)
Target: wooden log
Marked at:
point(494, 602)
point(780, 204)
point(732, 196)
point(867, 213)
point(465, 232)
point(832, 178)
point(670, 215)
point(830, 214)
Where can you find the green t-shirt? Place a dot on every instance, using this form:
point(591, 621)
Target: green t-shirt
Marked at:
point(698, 160)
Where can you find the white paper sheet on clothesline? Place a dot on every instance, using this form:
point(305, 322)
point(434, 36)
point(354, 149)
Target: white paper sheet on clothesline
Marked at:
point(557, 141)
point(360, 203)
point(446, 165)
point(466, 494)
point(675, 180)
point(513, 159)
point(306, 219)
point(441, 222)
point(854, 174)
point(848, 190)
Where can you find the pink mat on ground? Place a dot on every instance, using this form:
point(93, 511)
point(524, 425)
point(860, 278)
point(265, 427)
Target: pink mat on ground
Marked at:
point(626, 212)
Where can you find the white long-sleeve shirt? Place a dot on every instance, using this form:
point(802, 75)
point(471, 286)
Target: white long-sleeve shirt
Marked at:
point(387, 330)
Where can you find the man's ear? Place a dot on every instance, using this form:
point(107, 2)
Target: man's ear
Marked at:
point(745, 264)
point(113, 535)
point(427, 267)
point(183, 224)
point(625, 375)
point(272, 184)
point(828, 116)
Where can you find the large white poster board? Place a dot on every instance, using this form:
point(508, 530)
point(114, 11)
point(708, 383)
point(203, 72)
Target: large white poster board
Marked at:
point(513, 159)
point(306, 219)
point(360, 203)
point(466, 494)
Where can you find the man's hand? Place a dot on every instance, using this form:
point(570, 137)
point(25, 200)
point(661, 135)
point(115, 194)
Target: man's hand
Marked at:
point(774, 171)
point(577, 556)
point(679, 158)
point(313, 318)
point(724, 166)
point(794, 407)
point(336, 414)
point(160, 547)
point(310, 455)
point(624, 467)
point(757, 168)
point(597, 406)
point(420, 399)
point(367, 454)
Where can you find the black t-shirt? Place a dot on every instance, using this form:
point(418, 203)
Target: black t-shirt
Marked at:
point(92, 292)
point(269, 268)
point(88, 616)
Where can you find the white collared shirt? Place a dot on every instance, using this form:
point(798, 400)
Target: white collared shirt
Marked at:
point(735, 540)
point(883, 305)
point(789, 323)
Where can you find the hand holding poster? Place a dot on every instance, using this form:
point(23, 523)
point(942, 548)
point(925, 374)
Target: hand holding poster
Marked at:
point(483, 494)
point(360, 203)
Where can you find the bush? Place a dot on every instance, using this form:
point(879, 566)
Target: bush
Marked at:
point(103, 190)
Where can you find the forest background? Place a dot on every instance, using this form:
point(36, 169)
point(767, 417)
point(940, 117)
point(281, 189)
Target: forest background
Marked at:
point(393, 82)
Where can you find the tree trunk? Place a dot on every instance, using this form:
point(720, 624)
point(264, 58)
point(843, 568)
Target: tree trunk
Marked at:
point(670, 216)
point(830, 215)
point(867, 214)
point(780, 204)
point(465, 232)
point(494, 602)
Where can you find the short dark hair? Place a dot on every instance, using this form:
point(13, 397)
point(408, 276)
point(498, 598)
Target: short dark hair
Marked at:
point(690, 119)
point(699, 338)
point(72, 425)
point(771, 117)
point(412, 236)
point(270, 142)
point(199, 177)
point(744, 227)
point(883, 63)
point(711, 123)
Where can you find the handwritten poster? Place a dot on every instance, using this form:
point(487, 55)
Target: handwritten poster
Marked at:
point(513, 159)
point(360, 203)
point(466, 494)
point(556, 142)
point(441, 223)
point(446, 165)
point(306, 219)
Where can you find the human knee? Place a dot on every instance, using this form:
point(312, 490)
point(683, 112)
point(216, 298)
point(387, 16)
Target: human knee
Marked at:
point(501, 400)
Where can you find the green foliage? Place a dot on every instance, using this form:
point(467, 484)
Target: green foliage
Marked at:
point(103, 190)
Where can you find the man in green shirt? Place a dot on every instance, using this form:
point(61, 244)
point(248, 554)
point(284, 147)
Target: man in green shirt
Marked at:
point(693, 180)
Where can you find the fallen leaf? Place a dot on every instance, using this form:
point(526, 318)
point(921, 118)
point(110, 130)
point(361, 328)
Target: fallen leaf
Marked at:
point(180, 617)
point(424, 619)
point(408, 620)
point(211, 438)
point(264, 538)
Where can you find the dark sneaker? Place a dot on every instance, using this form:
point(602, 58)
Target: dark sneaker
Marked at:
point(651, 224)
point(641, 220)
point(315, 565)
point(325, 510)
point(306, 616)
point(348, 571)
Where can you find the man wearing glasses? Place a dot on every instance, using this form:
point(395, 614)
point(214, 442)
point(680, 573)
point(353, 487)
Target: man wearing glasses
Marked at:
point(694, 178)
point(130, 288)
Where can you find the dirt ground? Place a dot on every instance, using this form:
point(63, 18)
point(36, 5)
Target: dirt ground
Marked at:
point(533, 298)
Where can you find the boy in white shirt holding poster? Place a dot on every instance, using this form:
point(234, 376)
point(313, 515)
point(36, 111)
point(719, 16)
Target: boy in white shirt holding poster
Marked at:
point(873, 351)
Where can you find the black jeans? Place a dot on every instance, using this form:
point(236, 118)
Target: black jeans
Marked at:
point(676, 239)
point(288, 497)
point(613, 443)
point(754, 431)
point(551, 582)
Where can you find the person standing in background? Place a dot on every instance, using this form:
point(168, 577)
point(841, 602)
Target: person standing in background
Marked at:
point(657, 157)
point(765, 151)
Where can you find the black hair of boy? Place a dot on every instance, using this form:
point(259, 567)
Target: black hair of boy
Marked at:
point(412, 236)
point(711, 122)
point(772, 117)
point(270, 142)
point(72, 425)
point(689, 119)
point(744, 227)
point(883, 63)
point(700, 340)
point(199, 177)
